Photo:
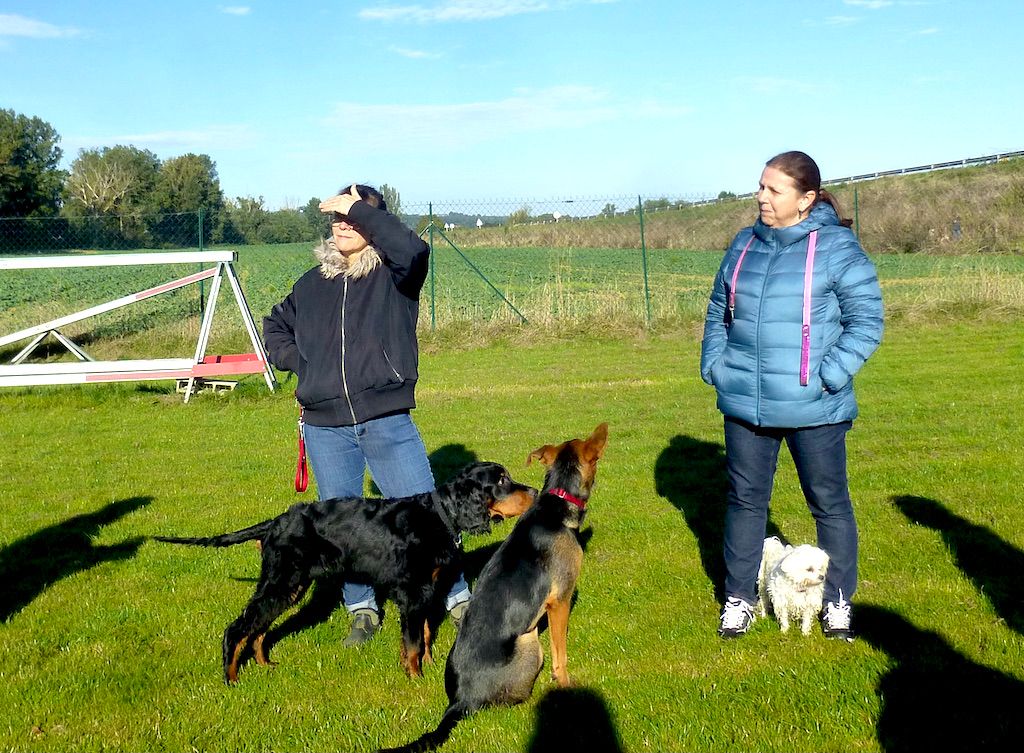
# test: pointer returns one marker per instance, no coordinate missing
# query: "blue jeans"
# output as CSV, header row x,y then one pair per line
x,y
819,453
394,452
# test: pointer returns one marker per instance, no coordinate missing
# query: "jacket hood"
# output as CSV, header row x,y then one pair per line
x,y
822,214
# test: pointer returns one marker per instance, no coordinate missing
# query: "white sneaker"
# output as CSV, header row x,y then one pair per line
x,y
737,616
836,619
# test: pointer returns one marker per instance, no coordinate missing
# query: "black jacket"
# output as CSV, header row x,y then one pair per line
x,y
352,341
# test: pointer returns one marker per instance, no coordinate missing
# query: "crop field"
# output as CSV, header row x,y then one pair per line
x,y
493,289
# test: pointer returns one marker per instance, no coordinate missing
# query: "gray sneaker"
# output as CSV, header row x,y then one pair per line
x,y
365,625
737,616
456,613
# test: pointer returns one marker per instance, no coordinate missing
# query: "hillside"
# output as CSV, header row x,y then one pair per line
x,y
955,211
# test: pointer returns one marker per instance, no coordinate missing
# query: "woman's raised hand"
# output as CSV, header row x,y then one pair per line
x,y
342,202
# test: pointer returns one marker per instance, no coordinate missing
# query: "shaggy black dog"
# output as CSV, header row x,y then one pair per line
x,y
408,548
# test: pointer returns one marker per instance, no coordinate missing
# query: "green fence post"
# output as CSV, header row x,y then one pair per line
x,y
433,300
856,213
202,304
643,254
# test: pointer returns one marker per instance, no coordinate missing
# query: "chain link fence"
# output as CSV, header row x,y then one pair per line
x,y
611,259
542,261
28,235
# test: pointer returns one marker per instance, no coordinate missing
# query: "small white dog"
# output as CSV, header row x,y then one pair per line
x,y
790,582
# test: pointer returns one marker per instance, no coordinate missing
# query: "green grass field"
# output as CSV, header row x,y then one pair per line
x,y
111,642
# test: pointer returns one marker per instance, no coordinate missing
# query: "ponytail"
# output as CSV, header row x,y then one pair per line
x,y
833,202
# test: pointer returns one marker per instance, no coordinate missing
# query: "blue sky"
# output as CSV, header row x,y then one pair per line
x,y
501,99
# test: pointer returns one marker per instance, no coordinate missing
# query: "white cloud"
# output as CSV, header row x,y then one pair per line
x,y
467,10
927,32
236,10
773,86
869,4
170,142
414,54
841,20
558,108
19,26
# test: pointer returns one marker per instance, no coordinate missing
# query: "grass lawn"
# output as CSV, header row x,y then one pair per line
x,y
109,641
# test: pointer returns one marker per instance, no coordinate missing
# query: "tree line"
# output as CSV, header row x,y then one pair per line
x,y
123,197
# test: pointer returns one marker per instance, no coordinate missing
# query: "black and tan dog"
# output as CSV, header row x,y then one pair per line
x,y
497,654
408,548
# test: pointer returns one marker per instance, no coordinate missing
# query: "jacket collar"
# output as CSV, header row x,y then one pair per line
x,y
821,215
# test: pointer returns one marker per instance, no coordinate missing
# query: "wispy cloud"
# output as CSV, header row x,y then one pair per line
x,y
927,32
414,54
177,142
869,4
841,20
20,26
236,10
772,86
467,10
557,108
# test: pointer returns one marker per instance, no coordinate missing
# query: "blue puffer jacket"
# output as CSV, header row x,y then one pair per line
x,y
752,357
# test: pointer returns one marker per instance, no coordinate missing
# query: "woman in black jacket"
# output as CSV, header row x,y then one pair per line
x,y
348,331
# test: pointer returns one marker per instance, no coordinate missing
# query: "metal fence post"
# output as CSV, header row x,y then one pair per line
x,y
433,301
201,282
856,213
643,254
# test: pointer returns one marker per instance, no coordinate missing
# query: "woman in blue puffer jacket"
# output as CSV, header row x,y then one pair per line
x,y
794,313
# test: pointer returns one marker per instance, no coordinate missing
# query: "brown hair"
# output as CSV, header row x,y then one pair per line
x,y
807,177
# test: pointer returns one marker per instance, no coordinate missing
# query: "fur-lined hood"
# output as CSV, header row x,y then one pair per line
x,y
354,266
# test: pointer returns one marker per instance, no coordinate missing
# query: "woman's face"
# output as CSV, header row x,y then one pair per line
x,y
781,203
347,239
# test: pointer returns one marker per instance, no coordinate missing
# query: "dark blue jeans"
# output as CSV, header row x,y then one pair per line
x,y
819,453
392,449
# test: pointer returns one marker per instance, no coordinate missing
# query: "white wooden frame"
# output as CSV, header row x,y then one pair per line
x,y
87,370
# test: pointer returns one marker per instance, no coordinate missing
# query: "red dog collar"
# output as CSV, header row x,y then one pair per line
x,y
563,494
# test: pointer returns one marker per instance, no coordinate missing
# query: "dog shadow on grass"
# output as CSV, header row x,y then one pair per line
x,y
326,593
573,720
32,564
690,473
933,697
994,566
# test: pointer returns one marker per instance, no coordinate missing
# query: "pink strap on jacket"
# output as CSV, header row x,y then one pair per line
x,y
735,276
805,329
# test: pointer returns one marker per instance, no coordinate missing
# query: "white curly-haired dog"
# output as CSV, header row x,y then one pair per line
x,y
791,582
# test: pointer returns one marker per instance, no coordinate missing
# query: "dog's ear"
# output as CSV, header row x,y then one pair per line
x,y
593,448
472,506
545,454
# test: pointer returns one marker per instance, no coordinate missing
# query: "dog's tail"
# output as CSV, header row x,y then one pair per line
x,y
257,532
432,740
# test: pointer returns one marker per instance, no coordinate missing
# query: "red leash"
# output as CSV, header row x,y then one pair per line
x,y
302,470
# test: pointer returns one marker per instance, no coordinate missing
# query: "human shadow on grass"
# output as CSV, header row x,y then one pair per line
x,y
326,593
993,565
32,564
935,698
691,474
573,720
